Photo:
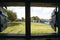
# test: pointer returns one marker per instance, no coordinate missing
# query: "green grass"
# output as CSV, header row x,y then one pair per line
x,y
15,28
19,28
39,28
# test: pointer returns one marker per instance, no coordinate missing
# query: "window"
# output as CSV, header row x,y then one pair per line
x,y
41,18
27,11
38,19
16,20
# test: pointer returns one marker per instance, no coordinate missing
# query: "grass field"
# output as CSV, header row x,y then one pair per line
x,y
19,28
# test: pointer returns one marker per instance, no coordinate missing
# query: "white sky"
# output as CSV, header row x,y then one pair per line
x,y
42,12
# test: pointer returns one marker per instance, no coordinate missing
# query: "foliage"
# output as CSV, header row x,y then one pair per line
x,y
35,18
22,18
11,15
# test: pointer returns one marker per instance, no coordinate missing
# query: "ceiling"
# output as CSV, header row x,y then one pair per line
x,y
41,3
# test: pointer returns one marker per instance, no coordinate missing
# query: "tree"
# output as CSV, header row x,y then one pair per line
x,y
35,18
22,18
11,15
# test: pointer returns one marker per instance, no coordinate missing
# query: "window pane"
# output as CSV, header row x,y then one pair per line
x,y
41,18
15,20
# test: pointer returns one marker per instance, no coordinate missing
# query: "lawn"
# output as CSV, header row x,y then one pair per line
x,y
15,28
36,28
39,28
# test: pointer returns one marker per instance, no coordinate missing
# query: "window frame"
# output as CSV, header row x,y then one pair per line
x,y
28,24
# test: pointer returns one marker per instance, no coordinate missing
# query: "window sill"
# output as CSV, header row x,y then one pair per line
x,y
32,36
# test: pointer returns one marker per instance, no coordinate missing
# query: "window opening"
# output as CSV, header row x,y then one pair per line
x,y
15,20
43,20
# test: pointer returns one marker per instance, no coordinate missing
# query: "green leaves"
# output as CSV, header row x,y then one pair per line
x,y
11,15
35,18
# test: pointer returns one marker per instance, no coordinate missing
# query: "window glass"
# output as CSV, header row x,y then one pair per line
x,y
14,21
41,18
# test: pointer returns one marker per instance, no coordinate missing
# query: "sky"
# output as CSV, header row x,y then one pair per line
x,y
41,12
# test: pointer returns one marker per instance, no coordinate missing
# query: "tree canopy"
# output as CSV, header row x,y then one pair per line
x,y
11,15
35,18
22,18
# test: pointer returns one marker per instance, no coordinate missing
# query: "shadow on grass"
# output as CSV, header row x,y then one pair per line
x,y
13,24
